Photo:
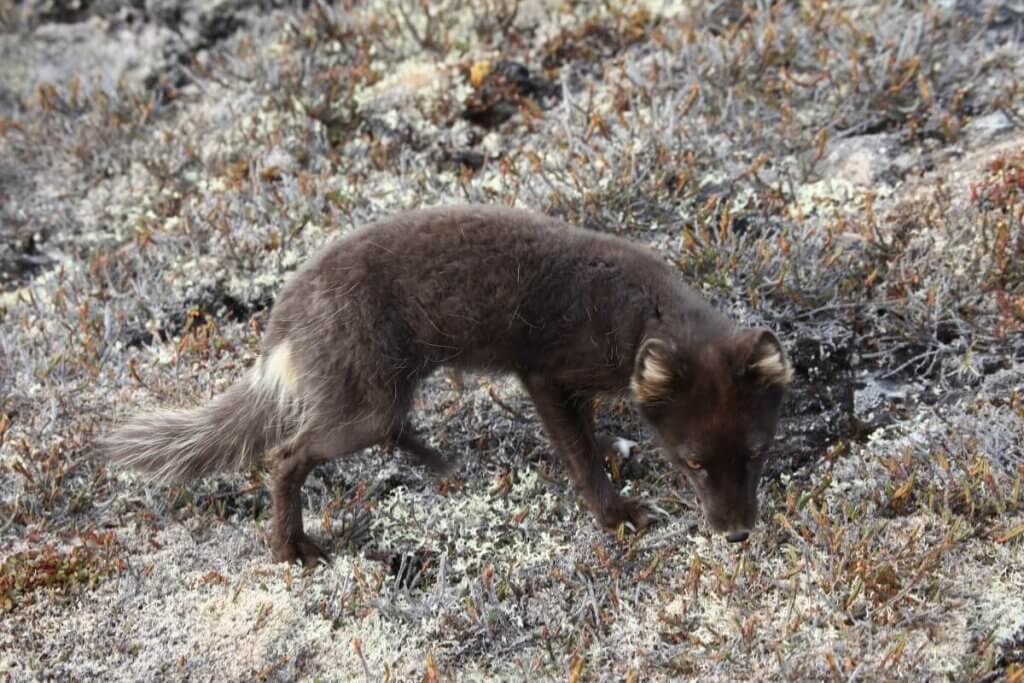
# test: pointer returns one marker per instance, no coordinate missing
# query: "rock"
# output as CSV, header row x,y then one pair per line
x,y
410,80
860,160
985,128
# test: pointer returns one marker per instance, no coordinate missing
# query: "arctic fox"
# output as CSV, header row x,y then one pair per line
x,y
571,312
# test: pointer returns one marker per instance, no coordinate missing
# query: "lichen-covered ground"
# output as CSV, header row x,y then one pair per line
x,y
850,174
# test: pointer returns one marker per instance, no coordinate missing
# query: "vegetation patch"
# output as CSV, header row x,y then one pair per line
x,y
58,573
848,174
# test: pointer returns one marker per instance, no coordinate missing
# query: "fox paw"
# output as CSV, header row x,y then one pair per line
x,y
301,549
635,513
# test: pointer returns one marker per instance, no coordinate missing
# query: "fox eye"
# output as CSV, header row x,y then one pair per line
x,y
693,464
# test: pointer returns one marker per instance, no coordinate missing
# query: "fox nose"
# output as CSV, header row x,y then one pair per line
x,y
737,536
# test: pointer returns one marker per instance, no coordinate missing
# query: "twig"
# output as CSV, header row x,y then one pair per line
x,y
506,407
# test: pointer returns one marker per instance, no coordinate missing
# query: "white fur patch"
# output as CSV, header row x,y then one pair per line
x,y
773,369
624,447
278,374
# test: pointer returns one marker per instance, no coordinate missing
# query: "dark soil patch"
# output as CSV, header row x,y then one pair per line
x,y
209,303
230,501
506,88
21,259
596,40
819,407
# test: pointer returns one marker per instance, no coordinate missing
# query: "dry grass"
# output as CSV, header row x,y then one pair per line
x,y
892,541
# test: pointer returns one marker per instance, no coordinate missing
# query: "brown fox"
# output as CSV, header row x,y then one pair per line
x,y
571,312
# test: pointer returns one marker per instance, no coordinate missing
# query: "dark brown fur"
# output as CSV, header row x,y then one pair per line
x,y
571,312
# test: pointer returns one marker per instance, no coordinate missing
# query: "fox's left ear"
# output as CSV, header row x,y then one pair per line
x,y
764,360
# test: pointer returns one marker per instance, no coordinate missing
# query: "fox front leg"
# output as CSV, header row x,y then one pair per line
x,y
569,423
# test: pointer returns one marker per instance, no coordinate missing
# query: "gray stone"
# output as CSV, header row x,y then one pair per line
x,y
987,127
860,160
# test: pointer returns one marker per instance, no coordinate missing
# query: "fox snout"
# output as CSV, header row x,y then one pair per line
x,y
727,517
728,500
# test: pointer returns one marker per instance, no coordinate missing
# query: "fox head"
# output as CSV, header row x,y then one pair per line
x,y
714,408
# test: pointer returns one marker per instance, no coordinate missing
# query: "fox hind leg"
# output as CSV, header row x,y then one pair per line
x,y
351,426
289,541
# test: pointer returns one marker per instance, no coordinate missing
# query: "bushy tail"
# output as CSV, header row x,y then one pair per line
x,y
229,433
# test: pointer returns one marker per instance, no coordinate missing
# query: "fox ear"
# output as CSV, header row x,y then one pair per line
x,y
653,371
765,359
